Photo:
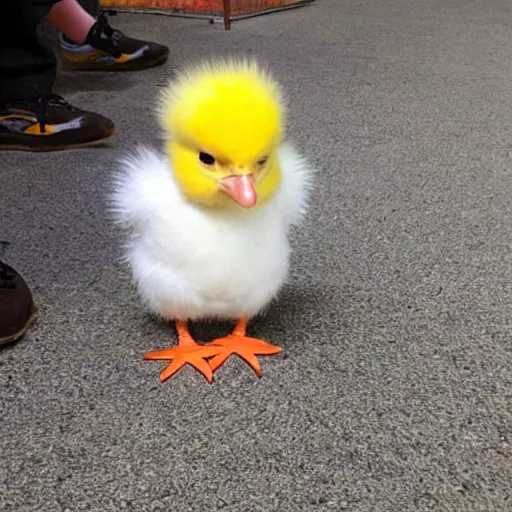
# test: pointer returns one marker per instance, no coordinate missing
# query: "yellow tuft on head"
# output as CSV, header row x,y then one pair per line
x,y
232,111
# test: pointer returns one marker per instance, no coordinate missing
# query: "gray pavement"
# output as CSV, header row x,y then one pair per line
x,y
394,389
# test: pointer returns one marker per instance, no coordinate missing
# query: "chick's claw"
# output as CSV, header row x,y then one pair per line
x,y
200,365
194,355
243,346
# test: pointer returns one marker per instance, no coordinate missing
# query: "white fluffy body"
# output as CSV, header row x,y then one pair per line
x,y
191,262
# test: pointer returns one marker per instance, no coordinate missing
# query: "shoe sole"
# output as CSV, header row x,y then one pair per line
x,y
17,336
62,147
131,65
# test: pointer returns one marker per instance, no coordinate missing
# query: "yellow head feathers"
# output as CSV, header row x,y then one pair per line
x,y
232,108
224,120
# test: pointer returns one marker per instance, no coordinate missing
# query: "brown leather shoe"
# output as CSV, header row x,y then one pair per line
x,y
108,49
50,123
17,309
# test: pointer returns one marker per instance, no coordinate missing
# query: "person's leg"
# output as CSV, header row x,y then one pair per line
x,y
104,48
72,19
80,30
27,68
22,70
91,6
31,118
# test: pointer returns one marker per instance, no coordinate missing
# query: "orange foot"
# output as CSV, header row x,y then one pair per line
x,y
243,346
186,352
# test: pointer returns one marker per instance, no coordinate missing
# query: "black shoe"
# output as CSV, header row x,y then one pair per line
x,y
17,309
50,123
108,49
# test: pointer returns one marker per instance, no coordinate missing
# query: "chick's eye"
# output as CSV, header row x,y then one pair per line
x,y
263,161
206,158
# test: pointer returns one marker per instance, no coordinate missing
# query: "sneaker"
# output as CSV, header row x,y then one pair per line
x,y
49,123
17,308
108,49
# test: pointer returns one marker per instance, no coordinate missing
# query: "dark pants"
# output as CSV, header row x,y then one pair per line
x,y
91,6
27,66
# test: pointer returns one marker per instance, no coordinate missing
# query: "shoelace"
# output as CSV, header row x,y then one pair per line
x,y
39,105
103,37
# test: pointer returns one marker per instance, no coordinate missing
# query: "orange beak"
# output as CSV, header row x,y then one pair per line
x,y
240,188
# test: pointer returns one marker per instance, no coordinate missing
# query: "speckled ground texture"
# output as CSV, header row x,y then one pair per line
x,y
393,391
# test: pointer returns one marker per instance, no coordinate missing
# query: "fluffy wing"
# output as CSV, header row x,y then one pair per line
x,y
296,184
142,189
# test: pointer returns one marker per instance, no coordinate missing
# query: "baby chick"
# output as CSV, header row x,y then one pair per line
x,y
208,221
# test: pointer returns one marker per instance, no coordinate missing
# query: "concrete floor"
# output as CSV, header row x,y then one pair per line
x,y
394,390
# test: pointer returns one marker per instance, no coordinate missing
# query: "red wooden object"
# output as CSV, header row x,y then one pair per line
x,y
227,9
